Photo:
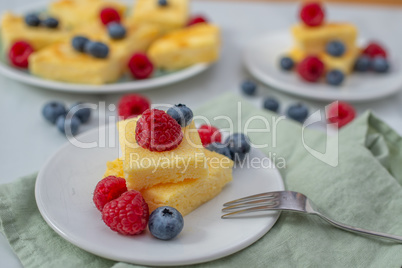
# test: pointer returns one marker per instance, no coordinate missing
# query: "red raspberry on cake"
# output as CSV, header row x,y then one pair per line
x,y
108,15
140,66
132,105
158,131
374,49
311,69
209,134
107,190
312,14
128,214
196,19
341,113
19,54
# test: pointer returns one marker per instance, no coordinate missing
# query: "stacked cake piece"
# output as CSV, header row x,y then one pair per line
x,y
183,178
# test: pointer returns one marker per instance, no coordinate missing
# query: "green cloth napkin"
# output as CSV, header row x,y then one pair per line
x,y
363,189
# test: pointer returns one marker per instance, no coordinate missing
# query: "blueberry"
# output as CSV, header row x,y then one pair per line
x,y
97,49
165,223
32,20
287,63
219,148
64,123
163,3
249,87
239,146
116,30
79,43
271,104
380,65
52,110
298,112
362,64
79,110
181,113
335,77
51,22
335,48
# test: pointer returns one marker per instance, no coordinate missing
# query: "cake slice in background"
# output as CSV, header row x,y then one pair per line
x,y
185,47
76,13
168,15
14,28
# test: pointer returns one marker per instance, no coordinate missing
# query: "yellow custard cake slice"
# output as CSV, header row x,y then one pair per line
x,y
345,63
75,13
313,40
144,169
14,28
61,62
138,37
189,194
170,17
185,47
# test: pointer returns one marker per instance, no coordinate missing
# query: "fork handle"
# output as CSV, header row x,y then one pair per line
x,y
360,230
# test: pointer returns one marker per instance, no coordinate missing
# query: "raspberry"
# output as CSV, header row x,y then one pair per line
x,y
131,105
196,19
373,49
209,134
107,190
158,131
341,113
140,66
19,54
109,14
311,69
312,14
128,214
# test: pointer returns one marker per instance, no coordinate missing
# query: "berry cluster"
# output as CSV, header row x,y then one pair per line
x,y
126,212
69,120
123,211
111,19
33,20
84,45
235,147
340,113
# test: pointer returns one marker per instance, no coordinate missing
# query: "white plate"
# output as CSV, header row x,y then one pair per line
x,y
126,84
64,189
261,57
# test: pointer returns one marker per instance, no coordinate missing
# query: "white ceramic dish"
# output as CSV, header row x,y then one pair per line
x,y
64,189
126,84
261,57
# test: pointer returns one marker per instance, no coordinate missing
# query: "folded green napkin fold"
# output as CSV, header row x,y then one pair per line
x,y
360,186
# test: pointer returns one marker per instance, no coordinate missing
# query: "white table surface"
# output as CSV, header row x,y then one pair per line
x,y
28,140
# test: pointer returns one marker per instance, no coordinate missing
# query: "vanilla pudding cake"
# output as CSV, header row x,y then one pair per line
x,y
76,13
345,63
14,28
189,194
182,48
172,16
144,168
313,40
62,62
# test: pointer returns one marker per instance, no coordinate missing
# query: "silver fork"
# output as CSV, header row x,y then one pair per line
x,y
289,201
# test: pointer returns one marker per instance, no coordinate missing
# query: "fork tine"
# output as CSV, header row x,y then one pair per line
x,y
266,202
250,198
247,210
